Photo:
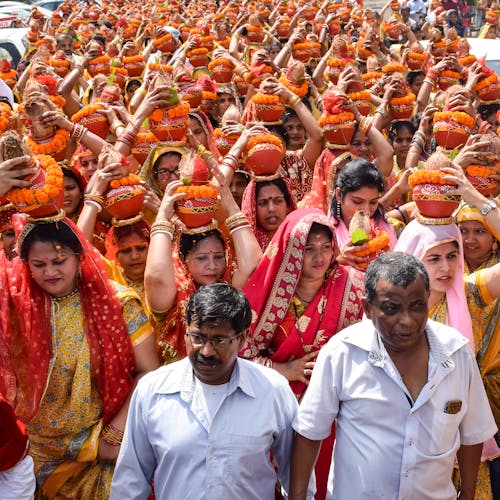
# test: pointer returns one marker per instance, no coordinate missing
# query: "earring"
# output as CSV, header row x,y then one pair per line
x,y
337,209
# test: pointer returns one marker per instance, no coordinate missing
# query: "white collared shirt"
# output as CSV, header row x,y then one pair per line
x,y
388,446
168,437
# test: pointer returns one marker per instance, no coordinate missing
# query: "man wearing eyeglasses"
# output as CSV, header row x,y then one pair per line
x,y
205,427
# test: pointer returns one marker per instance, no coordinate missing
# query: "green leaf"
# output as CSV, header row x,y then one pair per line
x,y
186,181
359,237
453,153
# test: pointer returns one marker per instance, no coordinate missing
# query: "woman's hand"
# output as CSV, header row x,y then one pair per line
x,y
464,188
12,173
107,452
151,200
477,150
166,210
348,257
426,122
274,86
55,119
298,369
226,198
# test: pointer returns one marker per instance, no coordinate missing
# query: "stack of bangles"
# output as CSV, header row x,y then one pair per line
x,y
111,435
432,76
94,200
365,124
77,132
419,140
240,70
128,136
163,227
231,161
236,222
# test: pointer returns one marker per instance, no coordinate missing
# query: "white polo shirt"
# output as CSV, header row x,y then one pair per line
x,y
388,446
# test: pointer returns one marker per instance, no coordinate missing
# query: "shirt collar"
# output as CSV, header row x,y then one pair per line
x,y
441,346
180,379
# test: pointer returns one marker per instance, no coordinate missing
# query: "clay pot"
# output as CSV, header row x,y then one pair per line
x,y
142,146
449,137
490,17
96,123
393,33
339,134
363,106
414,63
48,209
166,46
484,185
222,73
169,129
269,113
284,31
433,200
491,92
402,112
334,27
263,159
6,213
135,69
446,81
101,68
196,212
124,202
199,60
302,55
256,36
225,143
193,95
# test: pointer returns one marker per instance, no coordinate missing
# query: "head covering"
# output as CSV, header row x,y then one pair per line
x,y
416,239
204,121
13,437
467,212
111,354
249,208
271,288
112,241
147,173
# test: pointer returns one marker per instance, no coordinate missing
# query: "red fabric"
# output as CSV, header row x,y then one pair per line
x,y
111,353
333,103
112,240
249,208
13,436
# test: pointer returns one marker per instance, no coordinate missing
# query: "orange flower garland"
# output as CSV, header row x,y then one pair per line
x,y
162,39
197,52
485,82
86,111
343,117
254,140
57,144
479,171
58,100
266,99
333,62
5,116
417,55
209,96
220,61
402,101
427,177
129,180
9,75
393,68
177,111
298,91
374,245
457,116
467,60
198,191
42,195
132,59
362,95
450,74
104,59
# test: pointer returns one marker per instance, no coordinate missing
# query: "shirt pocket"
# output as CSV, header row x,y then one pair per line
x,y
248,452
444,434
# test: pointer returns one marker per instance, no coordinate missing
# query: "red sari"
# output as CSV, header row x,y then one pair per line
x,y
276,334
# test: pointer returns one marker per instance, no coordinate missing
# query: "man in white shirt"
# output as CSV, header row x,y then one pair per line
x,y
406,395
204,427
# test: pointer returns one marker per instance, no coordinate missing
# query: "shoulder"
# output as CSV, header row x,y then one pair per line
x,y
357,336
446,339
164,379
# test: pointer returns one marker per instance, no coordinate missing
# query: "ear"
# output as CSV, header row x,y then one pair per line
x,y
367,307
243,338
337,193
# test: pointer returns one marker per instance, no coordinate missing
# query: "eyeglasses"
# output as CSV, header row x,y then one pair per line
x,y
200,340
165,172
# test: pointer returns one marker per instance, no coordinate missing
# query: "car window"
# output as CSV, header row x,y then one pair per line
x,y
12,50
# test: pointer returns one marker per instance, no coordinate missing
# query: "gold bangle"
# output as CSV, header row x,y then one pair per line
x,y
163,225
294,101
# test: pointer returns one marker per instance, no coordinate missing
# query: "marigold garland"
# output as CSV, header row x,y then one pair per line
x,y
58,100
220,61
393,68
147,137
371,75
9,75
362,95
486,82
254,140
457,116
5,116
86,111
334,62
266,99
209,96
57,144
204,191
467,60
132,59
345,116
129,180
479,171
401,101
298,91
374,245
162,39
178,111
59,63
254,29
417,55
157,67
33,198
197,52
427,177
450,74
104,59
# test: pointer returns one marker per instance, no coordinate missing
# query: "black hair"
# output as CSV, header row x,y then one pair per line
x,y
410,77
280,184
485,110
57,233
106,23
99,39
189,241
69,173
396,128
317,228
277,130
219,303
354,175
398,268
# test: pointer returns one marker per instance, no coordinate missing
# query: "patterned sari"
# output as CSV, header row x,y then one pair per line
x,y
278,331
74,365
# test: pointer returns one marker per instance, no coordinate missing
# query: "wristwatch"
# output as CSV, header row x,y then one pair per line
x,y
490,205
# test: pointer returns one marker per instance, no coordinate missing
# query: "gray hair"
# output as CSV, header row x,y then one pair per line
x,y
398,268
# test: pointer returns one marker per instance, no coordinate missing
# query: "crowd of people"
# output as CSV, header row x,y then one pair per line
x,y
250,250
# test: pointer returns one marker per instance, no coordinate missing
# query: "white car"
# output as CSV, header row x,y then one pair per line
x,y
10,12
48,4
13,44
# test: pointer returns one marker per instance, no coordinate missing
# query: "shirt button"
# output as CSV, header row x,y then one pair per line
x,y
410,442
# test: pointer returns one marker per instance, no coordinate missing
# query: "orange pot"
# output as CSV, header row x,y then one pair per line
x,y
125,201
96,123
169,129
448,136
6,213
484,185
196,212
269,113
339,134
263,159
433,200
402,112
143,145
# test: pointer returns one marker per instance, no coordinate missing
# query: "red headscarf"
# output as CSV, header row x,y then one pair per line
x,y
111,353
